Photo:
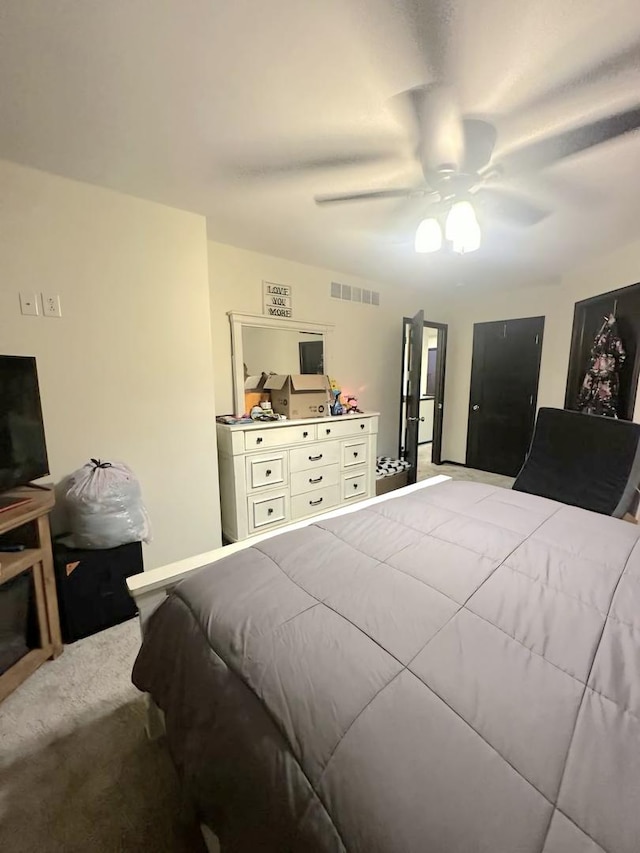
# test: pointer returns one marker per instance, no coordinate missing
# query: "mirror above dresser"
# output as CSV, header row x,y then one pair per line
x,y
276,473
261,344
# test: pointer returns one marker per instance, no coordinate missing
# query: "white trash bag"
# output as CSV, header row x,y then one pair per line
x,y
105,506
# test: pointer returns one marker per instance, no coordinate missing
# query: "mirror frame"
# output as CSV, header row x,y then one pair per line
x,y
239,321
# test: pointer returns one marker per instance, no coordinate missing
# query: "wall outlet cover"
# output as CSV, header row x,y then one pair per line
x,y
51,305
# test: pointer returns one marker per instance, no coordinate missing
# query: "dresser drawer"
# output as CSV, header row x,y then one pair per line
x,y
354,453
344,428
315,502
256,439
266,510
314,456
354,485
307,481
267,469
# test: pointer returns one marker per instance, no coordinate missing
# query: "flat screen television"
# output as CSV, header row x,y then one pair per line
x,y
23,452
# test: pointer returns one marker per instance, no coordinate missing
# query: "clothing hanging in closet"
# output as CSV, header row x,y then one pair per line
x,y
600,392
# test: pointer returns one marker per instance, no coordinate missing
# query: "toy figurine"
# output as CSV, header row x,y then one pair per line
x,y
336,407
352,406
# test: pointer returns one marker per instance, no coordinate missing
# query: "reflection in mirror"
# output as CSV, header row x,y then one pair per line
x,y
267,350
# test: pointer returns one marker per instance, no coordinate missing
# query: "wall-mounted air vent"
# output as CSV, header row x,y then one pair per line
x,y
354,294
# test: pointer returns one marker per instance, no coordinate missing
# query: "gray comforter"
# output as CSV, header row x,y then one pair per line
x,y
457,669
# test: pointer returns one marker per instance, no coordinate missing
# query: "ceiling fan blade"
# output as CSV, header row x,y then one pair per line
x,y
606,68
369,195
433,25
479,142
441,142
302,165
545,152
509,206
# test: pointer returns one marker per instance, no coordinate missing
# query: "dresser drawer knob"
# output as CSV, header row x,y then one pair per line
x,y
328,432
315,503
361,426
317,479
268,472
259,440
355,454
305,434
355,485
270,511
315,458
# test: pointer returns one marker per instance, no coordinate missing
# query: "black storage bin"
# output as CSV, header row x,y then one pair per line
x,y
92,588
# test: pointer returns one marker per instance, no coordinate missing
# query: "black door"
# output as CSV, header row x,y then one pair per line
x,y
438,381
414,330
430,386
504,390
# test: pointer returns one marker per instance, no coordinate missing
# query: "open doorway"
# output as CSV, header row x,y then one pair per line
x,y
422,400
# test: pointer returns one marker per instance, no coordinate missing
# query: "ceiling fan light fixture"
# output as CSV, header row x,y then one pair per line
x,y
469,242
428,236
462,229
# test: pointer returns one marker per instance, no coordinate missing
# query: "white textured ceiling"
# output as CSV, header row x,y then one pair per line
x,y
190,102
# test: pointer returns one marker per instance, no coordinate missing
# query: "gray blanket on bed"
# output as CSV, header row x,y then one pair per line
x,y
449,671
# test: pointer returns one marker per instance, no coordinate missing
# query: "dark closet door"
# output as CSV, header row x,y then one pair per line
x,y
504,390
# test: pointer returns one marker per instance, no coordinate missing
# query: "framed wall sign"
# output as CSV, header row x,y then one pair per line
x,y
277,300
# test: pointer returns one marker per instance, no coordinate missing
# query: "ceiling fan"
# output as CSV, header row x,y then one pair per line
x,y
456,156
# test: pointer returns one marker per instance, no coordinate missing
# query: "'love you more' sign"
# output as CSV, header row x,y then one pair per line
x,y
276,300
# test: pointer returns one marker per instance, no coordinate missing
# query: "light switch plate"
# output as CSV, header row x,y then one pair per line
x,y
51,305
29,304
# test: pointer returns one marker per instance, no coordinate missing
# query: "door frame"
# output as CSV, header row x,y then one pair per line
x,y
438,402
415,341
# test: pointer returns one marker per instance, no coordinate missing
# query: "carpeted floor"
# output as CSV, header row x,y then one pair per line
x,y
457,472
77,773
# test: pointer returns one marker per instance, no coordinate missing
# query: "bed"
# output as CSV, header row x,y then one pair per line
x,y
453,668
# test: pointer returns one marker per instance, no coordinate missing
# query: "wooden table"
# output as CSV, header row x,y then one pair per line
x,y
28,524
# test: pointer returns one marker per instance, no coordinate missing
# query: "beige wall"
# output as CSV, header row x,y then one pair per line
x,y
366,343
554,301
127,371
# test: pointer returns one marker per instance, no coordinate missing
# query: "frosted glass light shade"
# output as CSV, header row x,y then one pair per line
x,y
462,228
428,236
470,242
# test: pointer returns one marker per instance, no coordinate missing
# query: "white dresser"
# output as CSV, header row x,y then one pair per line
x,y
272,474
